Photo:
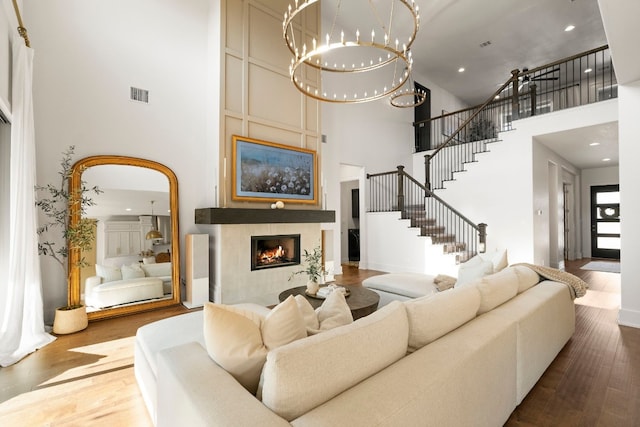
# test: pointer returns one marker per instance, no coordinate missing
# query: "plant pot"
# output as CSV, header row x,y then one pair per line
x,y
312,287
70,319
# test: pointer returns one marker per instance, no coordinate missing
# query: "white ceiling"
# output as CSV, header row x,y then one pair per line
x,y
522,34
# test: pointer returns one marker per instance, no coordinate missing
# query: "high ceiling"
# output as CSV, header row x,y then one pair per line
x,y
521,34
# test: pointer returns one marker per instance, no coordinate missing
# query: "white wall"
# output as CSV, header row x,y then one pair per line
x,y
550,172
375,136
590,177
87,55
629,129
509,187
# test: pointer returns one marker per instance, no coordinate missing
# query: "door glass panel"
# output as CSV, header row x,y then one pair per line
x,y
608,212
608,197
609,242
608,228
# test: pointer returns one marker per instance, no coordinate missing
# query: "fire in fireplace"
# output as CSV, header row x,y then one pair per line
x,y
274,251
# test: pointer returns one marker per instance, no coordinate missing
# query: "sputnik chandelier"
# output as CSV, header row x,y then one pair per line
x,y
369,61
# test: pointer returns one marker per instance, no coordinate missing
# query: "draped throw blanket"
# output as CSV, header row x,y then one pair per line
x,y
577,286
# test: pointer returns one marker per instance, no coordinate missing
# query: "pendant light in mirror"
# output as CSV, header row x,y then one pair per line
x,y
153,234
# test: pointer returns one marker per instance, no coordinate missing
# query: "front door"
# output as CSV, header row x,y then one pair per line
x,y
605,221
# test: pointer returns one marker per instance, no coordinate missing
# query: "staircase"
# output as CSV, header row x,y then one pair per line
x,y
447,237
457,139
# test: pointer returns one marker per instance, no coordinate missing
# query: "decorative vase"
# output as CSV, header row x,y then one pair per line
x,y
312,287
70,319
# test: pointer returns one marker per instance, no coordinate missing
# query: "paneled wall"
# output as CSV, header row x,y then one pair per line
x,y
257,98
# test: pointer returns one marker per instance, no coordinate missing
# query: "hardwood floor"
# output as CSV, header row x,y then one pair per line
x,y
87,378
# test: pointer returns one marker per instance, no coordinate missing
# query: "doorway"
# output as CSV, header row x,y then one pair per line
x,y
420,113
605,221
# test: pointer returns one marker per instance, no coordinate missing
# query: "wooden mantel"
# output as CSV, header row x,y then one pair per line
x,y
261,216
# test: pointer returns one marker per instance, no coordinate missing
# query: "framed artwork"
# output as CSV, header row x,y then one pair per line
x,y
267,172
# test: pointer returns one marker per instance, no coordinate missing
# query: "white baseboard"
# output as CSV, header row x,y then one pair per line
x,y
629,318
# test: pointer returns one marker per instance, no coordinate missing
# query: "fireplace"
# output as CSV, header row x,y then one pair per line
x,y
274,251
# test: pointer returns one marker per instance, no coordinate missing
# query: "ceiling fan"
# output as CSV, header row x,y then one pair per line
x,y
538,77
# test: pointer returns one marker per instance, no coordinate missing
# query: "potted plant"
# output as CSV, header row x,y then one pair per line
x,y
313,269
58,205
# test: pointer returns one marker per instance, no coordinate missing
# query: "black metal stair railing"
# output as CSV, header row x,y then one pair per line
x,y
398,191
456,137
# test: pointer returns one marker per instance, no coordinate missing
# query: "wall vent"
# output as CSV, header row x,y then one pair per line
x,y
139,95
485,44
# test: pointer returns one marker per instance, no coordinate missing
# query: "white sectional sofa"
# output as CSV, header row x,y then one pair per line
x,y
462,357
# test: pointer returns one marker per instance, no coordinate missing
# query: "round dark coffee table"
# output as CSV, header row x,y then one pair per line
x,y
361,301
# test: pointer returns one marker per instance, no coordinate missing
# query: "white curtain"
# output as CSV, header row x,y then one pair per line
x,y
21,309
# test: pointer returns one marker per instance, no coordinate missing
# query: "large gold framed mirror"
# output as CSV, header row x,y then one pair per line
x,y
134,264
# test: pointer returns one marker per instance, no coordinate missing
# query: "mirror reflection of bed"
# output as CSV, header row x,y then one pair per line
x,y
131,265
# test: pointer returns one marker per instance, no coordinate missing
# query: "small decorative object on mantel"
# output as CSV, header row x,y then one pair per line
x,y
314,271
59,207
277,205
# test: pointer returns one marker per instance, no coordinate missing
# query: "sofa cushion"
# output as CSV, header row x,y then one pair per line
x,y
132,271
497,289
527,278
238,339
108,273
434,316
305,373
472,270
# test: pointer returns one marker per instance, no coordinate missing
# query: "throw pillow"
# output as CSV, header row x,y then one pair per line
x,y
472,270
334,312
132,271
238,340
234,341
108,274
499,260
308,314
283,324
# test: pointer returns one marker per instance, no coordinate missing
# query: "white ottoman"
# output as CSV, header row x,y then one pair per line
x,y
400,286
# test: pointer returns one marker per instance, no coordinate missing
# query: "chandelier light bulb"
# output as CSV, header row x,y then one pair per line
x,y
334,56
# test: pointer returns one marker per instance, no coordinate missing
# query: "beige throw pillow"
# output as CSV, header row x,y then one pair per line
x,y
472,270
234,341
334,312
283,324
238,340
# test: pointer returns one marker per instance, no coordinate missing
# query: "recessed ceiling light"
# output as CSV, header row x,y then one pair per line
x,y
606,159
593,144
570,28
588,70
128,209
461,70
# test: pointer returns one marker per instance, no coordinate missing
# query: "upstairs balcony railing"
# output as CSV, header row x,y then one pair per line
x,y
578,80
